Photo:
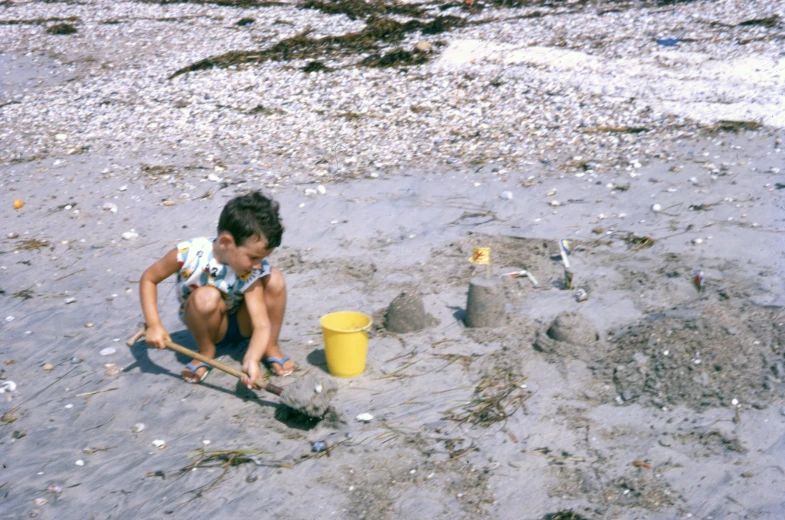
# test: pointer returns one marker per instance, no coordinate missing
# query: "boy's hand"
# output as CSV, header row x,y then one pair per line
x,y
157,336
252,371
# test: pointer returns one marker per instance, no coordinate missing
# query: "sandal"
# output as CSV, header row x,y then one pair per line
x,y
268,361
194,368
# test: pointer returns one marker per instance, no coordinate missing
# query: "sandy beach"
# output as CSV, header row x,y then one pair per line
x,y
648,134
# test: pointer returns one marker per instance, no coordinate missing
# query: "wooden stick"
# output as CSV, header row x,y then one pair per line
x,y
261,383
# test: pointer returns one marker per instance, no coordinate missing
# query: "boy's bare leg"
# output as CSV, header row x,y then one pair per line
x,y
205,316
275,301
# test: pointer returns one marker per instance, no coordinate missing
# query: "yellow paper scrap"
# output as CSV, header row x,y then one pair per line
x,y
481,255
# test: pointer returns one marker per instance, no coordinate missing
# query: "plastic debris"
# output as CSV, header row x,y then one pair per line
x,y
698,279
364,417
160,444
568,277
7,386
137,428
668,42
523,272
108,351
318,446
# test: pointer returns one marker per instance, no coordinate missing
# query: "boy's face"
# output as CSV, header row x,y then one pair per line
x,y
245,258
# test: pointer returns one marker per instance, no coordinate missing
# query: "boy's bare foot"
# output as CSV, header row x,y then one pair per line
x,y
195,372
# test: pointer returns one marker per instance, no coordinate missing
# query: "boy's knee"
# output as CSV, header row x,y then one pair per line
x,y
275,285
204,300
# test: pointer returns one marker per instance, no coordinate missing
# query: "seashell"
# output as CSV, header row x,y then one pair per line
x,y
40,501
109,207
48,366
108,351
55,488
656,208
111,370
137,428
79,462
89,324
160,444
364,417
168,202
7,386
321,189
69,300
130,235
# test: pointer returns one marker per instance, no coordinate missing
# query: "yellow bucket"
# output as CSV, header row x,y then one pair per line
x,y
346,342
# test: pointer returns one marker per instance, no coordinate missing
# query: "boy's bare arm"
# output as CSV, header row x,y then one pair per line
x,y
156,334
260,335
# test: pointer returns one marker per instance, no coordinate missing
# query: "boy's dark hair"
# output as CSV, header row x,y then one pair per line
x,y
252,215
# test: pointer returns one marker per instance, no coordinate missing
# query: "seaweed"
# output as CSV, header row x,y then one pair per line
x,y
360,9
302,46
395,58
496,397
727,125
61,29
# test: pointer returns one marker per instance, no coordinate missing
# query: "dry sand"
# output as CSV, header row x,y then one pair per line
x,y
652,400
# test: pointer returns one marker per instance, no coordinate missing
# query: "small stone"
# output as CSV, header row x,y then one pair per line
x,y
109,207
137,428
89,324
506,195
251,478
656,208
555,203
13,234
18,203
168,202
318,446
130,235
76,360
69,300
424,46
48,366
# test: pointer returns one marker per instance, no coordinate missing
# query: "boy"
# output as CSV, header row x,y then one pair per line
x,y
227,289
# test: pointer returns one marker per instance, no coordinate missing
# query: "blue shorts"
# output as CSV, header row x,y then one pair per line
x,y
233,334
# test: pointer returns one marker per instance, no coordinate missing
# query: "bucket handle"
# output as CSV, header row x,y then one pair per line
x,y
370,333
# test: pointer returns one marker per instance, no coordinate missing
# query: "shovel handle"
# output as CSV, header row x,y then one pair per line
x,y
261,383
